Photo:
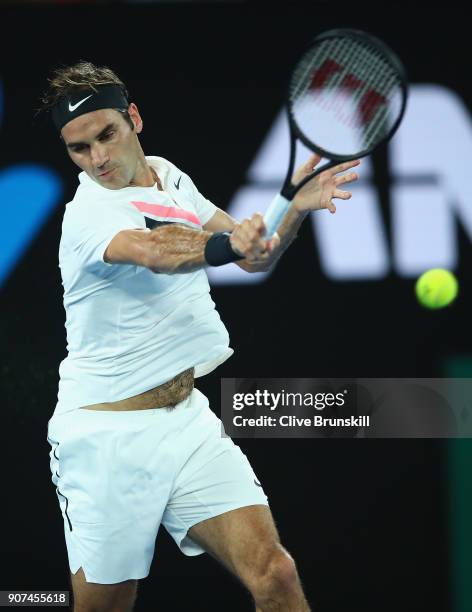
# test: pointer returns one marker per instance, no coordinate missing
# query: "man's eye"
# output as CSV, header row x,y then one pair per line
x,y
107,136
78,149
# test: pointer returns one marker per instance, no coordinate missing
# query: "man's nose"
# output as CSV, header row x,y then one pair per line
x,y
99,155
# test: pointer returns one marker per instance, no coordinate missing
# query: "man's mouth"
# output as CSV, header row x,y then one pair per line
x,y
106,173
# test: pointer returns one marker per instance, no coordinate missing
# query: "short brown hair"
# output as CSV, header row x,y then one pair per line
x,y
83,76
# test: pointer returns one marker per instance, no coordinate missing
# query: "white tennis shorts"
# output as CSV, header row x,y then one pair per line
x,y
119,475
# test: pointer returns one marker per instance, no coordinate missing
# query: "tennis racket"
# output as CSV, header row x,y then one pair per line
x,y
347,95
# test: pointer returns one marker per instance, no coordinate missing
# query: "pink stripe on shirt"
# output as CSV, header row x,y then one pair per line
x,y
167,211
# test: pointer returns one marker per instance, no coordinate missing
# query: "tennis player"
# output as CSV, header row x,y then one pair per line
x,y
133,443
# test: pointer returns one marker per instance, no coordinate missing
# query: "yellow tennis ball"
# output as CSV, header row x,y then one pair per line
x,y
436,288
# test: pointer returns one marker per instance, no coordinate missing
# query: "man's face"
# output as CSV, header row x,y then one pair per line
x,y
103,144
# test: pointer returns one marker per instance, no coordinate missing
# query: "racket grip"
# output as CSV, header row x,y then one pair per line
x,y
275,213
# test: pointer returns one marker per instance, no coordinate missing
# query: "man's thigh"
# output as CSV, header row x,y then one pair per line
x,y
90,596
241,539
215,478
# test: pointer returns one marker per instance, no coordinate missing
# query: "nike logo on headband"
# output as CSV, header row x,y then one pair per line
x,y
72,107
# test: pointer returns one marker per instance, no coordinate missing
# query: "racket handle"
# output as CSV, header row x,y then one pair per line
x,y
275,213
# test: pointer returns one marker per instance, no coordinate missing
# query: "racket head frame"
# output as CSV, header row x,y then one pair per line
x,y
288,190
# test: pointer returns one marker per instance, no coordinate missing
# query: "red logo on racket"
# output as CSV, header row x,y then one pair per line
x,y
368,104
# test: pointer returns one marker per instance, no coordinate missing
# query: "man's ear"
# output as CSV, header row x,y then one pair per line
x,y
135,117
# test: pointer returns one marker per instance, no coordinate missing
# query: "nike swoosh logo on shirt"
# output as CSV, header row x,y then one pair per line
x,y
178,182
72,107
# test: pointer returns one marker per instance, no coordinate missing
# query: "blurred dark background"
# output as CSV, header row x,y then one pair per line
x,y
373,524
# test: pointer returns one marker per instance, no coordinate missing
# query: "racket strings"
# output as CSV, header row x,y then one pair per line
x,y
351,81
366,63
385,86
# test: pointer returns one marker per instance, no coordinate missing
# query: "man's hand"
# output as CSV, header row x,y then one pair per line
x,y
320,191
247,239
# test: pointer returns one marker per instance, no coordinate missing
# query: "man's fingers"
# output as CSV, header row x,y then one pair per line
x,y
253,229
344,166
258,224
273,243
249,249
346,178
254,224
342,195
313,161
248,238
306,168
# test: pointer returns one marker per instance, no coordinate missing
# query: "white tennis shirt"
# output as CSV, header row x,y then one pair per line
x,y
129,329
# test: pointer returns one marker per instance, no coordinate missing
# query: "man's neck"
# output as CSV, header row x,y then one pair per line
x,y
146,177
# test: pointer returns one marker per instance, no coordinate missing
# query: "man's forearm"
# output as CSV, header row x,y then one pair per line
x,y
176,249
288,229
